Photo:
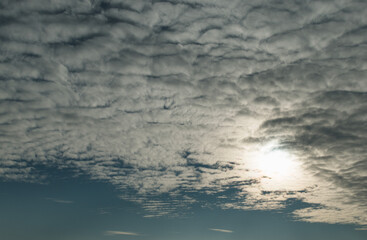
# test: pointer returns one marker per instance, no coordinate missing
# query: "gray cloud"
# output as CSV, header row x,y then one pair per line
x,y
169,97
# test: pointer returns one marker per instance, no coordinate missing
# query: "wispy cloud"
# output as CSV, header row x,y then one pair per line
x,y
121,233
221,230
103,211
60,200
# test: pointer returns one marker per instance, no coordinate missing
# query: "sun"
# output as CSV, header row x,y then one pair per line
x,y
275,162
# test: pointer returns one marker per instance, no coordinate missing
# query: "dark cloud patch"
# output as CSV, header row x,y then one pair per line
x,y
170,97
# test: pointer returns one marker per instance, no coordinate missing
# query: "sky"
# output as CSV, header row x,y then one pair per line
x,y
183,119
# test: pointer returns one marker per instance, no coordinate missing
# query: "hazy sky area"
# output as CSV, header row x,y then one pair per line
x,y
183,120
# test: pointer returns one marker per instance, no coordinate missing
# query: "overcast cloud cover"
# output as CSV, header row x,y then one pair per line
x,y
166,99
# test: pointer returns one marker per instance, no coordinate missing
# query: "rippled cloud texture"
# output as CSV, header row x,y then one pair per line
x,y
168,99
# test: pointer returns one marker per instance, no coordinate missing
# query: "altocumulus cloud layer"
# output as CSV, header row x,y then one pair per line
x,y
166,99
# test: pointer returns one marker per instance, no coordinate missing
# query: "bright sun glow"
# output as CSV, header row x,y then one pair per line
x,y
275,163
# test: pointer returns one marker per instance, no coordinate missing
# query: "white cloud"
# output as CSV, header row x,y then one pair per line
x,y
168,99
121,233
221,230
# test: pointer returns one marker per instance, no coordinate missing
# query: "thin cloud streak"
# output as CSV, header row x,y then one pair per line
x,y
121,233
60,201
221,230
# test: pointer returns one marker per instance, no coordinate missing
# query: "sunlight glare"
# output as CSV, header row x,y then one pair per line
x,y
275,163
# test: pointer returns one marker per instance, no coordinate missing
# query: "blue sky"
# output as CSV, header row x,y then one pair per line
x,y
176,119
77,208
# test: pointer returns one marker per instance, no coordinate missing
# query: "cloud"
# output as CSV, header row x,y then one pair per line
x,y
121,233
221,230
60,201
166,100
